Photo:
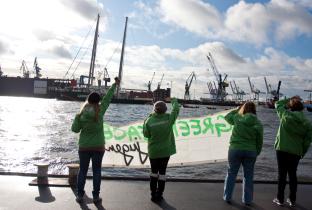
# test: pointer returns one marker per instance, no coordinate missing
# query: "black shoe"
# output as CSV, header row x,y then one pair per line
x,y
159,196
79,199
291,203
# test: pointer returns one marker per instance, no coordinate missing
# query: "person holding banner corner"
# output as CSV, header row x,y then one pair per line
x,y
157,128
245,145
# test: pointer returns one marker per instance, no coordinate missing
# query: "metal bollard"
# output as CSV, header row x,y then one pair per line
x,y
42,172
72,173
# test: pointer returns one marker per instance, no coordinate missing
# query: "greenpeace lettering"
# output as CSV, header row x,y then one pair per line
x,y
198,140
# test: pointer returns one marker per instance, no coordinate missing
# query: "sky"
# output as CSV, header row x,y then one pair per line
x,y
271,39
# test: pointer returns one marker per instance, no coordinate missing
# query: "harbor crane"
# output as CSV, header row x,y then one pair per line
x,y
149,85
106,77
240,93
222,84
37,69
212,89
256,92
188,84
24,69
275,94
1,72
159,83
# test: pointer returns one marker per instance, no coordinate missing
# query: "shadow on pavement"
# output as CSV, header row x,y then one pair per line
x,y
45,195
164,205
87,200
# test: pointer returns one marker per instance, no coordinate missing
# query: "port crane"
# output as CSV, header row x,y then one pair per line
x,y
24,69
188,84
256,92
37,69
1,72
222,84
106,77
275,94
159,83
149,85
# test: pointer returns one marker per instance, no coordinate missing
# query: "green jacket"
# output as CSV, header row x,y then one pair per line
x,y
92,132
158,129
295,131
247,132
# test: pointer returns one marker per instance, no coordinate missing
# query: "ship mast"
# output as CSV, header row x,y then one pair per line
x,y
122,55
92,63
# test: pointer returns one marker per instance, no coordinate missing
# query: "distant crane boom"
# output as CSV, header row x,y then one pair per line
x,y
149,85
188,84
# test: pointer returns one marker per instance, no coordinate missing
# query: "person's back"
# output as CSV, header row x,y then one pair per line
x,y
292,142
294,133
247,131
157,128
245,145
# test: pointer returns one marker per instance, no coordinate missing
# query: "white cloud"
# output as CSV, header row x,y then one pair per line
x,y
245,22
192,15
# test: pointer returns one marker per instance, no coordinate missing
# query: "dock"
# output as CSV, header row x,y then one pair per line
x,y
16,194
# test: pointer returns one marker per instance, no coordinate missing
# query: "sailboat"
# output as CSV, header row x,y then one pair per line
x,y
131,96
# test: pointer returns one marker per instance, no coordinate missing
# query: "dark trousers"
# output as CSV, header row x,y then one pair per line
x,y
287,164
158,175
84,160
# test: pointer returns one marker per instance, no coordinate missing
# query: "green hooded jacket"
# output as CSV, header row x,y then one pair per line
x,y
91,131
295,130
247,132
158,129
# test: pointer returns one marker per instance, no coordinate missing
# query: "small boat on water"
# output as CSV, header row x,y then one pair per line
x,y
211,107
189,106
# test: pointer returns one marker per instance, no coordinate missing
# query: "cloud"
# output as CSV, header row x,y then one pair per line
x,y
61,51
87,8
244,22
3,48
44,35
192,15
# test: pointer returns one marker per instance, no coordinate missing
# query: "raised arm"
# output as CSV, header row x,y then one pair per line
x,y
175,111
280,107
230,116
108,97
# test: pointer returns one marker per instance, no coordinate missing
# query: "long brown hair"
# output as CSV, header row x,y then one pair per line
x,y
248,107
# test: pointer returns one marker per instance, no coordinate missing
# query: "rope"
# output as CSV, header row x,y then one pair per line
x,y
79,50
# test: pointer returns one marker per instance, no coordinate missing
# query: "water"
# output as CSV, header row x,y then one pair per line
x,y
33,130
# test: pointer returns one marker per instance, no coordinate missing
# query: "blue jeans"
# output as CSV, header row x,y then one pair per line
x,y
237,158
84,160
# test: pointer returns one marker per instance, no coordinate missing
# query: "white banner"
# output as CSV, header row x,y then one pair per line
x,y
198,140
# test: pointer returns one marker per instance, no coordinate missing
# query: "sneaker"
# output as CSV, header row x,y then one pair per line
x,y
79,199
291,203
277,202
97,200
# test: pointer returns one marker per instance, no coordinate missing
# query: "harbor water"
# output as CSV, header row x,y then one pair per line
x,y
38,130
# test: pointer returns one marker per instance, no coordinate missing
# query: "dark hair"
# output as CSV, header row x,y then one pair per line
x,y
248,107
93,98
160,107
295,105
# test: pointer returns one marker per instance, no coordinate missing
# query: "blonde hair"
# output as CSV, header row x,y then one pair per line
x,y
96,108
248,107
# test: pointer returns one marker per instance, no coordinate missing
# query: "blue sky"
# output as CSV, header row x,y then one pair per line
x,y
172,37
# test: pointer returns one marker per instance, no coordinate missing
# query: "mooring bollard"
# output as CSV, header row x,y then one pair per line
x,y
72,173
42,172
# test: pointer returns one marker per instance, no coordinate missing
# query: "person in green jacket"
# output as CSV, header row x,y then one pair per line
x,y
292,142
157,128
89,123
245,145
